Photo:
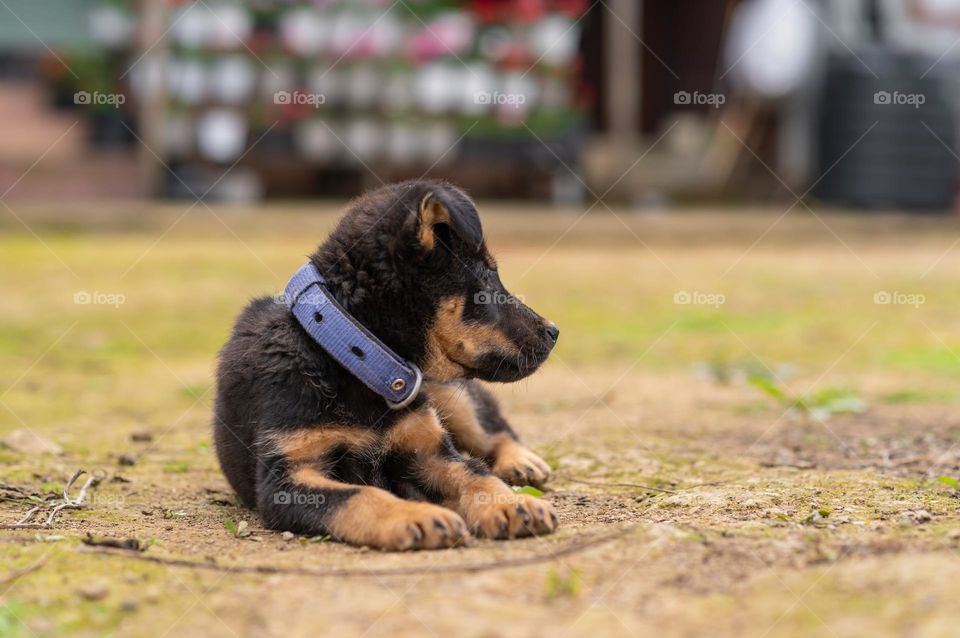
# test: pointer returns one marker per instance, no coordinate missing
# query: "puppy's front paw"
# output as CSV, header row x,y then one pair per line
x,y
517,465
413,525
495,511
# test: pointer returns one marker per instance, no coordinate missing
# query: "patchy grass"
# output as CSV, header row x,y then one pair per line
x,y
741,515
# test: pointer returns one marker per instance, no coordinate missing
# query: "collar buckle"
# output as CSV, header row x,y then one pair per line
x,y
418,381
348,341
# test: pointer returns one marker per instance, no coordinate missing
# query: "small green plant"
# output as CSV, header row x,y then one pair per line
x,y
566,585
725,372
529,490
818,517
917,396
949,480
314,539
10,624
239,530
820,405
176,468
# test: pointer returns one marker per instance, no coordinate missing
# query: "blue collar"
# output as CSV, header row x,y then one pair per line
x,y
348,342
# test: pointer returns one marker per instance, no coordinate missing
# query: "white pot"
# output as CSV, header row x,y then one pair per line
x,y
554,40
439,139
403,143
192,26
316,142
230,25
304,31
221,135
111,27
233,79
365,138
188,80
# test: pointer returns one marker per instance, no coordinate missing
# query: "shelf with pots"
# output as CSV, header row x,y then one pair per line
x,y
337,83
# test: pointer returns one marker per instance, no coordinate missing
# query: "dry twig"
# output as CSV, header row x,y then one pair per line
x,y
636,485
27,522
11,576
570,548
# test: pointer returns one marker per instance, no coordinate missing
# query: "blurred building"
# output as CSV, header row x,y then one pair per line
x,y
561,100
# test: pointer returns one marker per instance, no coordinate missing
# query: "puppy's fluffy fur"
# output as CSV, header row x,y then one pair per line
x,y
316,452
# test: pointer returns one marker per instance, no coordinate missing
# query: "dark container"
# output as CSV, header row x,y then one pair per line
x,y
908,158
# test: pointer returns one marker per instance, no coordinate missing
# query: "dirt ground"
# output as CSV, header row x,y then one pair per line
x,y
751,420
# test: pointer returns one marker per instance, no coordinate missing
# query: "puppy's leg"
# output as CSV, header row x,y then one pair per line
x,y
471,414
295,493
490,508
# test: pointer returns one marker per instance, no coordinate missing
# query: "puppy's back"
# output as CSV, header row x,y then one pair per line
x,y
241,374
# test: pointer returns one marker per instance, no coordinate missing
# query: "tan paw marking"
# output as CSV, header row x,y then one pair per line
x,y
517,465
493,510
420,526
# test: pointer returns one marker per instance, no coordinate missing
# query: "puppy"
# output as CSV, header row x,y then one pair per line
x,y
317,451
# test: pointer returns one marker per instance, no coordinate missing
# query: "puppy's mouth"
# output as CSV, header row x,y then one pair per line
x,y
504,367
469,371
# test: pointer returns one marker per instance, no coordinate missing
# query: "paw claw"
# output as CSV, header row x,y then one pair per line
x,y
517,465
415,525
504,514
524,515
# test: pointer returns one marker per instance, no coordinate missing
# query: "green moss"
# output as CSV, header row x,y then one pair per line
x,y
176,468
918,396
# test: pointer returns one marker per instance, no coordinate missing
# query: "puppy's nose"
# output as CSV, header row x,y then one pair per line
x,y
553,332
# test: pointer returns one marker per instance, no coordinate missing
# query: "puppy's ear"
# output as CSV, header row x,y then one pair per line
x,y
435,210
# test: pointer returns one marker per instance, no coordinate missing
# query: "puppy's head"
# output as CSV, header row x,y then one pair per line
x,y
477,328
409,260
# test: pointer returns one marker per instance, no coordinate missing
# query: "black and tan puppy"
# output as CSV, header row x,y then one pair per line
x,y
317,452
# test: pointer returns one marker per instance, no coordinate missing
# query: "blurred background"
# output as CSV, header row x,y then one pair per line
x,y
739,212
551,100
